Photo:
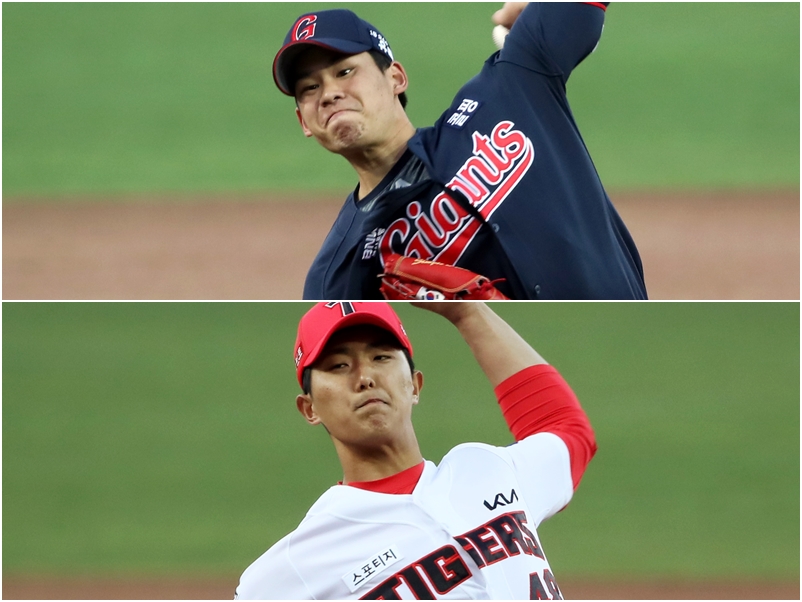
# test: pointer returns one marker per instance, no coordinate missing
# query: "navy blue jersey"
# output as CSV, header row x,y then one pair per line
x,y
502,184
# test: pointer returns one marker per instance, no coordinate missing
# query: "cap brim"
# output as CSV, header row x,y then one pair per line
x,y
288,53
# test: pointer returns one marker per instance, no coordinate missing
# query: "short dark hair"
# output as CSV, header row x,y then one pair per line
x,y
383,62
306,375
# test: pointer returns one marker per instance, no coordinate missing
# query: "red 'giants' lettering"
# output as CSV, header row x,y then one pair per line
x,y
441,229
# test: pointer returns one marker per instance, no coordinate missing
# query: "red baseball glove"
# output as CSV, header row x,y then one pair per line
x,y
412,279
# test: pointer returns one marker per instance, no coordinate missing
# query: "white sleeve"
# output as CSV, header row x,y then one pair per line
x,y
272,577
543,466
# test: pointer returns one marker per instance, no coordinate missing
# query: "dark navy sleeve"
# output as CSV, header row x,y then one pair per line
x,y
552,38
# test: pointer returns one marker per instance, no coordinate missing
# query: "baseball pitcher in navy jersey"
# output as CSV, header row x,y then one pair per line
x,y
501,185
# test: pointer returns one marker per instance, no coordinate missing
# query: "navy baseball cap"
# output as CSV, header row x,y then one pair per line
x,y
338,29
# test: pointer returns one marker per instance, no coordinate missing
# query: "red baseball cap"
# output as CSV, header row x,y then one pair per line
x,y
324,319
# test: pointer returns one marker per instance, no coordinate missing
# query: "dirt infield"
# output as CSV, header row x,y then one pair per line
x,y
693,246
206,589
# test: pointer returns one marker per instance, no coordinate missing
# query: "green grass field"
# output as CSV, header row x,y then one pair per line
x,y
163,438
178,97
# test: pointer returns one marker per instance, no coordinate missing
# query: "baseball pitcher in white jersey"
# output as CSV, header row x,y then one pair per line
x,y
399,527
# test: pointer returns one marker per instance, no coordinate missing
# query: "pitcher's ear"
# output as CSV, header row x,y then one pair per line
x,y
399,77
307,131
306,408
417,384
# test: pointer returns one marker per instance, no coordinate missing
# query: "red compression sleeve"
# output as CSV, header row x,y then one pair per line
x,y
538,400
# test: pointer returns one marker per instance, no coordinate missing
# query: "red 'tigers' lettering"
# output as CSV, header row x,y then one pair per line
x,y
504,536
441,571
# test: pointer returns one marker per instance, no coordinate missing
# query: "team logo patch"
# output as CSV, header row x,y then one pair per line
x,y
501,500
304,28
371,567
383,45
298,356
372,241
467,108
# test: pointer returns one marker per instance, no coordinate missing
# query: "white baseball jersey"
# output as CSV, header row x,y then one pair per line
x,y
468,531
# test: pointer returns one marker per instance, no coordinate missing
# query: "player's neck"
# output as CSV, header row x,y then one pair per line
x,y
373,163
369,464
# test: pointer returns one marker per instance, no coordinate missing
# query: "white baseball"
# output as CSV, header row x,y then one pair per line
x,y
499,33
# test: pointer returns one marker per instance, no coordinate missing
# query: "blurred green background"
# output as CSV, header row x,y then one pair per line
x,y
123,98
162,438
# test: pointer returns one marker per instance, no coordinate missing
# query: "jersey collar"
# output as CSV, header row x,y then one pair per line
x,y
402,483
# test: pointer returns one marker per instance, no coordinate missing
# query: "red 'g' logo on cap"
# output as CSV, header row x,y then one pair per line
x,y
304,28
